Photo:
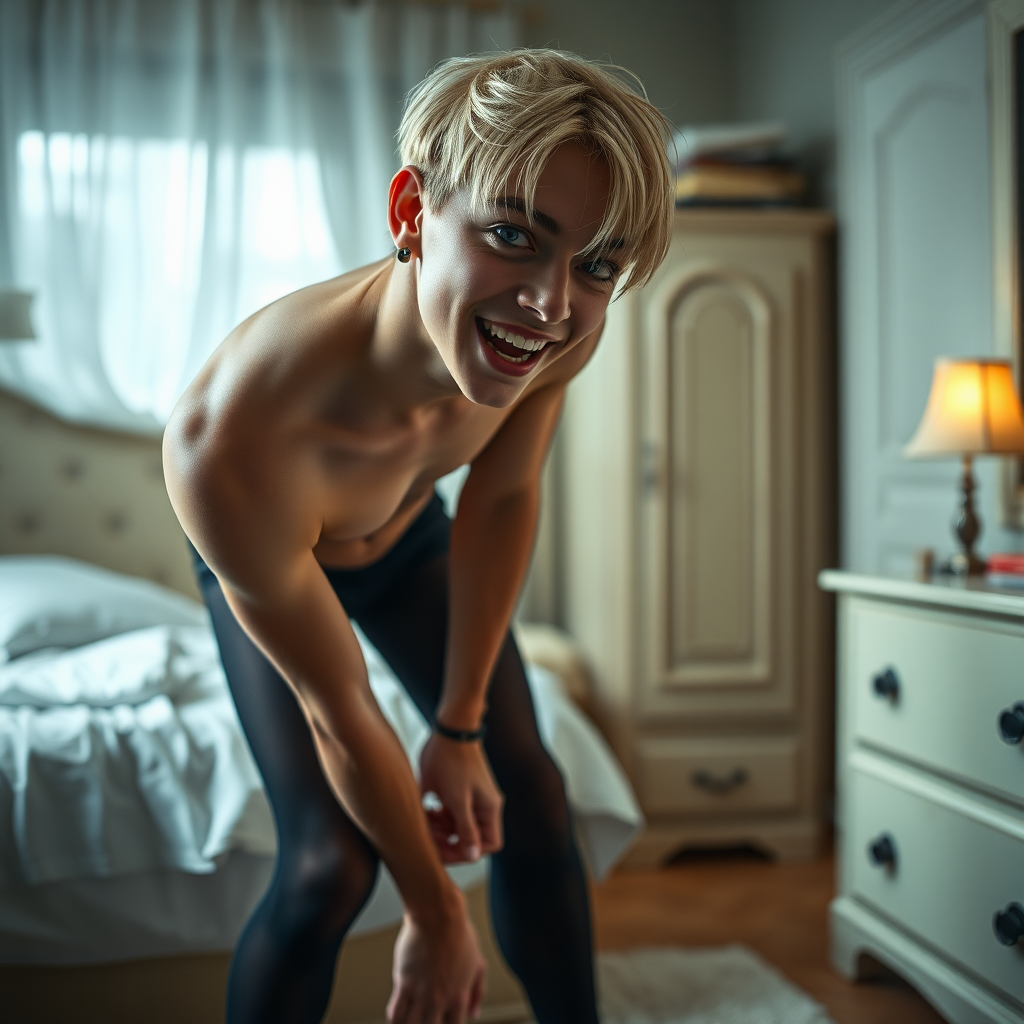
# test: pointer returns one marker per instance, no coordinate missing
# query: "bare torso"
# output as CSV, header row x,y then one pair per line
x,y
297,392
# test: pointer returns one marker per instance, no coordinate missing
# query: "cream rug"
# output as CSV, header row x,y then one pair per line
x,y
726,985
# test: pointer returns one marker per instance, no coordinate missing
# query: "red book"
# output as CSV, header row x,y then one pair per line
x,y
1010,563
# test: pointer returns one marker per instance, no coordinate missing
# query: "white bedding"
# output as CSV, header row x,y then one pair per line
x,y
125,777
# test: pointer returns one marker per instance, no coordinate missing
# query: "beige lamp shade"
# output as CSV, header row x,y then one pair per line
x,y
973,408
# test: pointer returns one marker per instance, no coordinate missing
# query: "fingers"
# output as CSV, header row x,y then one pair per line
x,y
488,819
476,993
465,827
443,832
399,1006
456,1015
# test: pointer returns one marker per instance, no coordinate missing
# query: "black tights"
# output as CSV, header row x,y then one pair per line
x,y
283,965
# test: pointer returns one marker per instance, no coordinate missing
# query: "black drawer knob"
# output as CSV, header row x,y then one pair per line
x,y
1008,924
882,851
719,783
887,684
1011,724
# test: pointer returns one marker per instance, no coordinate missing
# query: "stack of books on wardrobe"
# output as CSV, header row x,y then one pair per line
x,y
1005,570
735,165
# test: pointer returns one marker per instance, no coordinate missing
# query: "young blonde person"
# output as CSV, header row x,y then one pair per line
x,y
301,463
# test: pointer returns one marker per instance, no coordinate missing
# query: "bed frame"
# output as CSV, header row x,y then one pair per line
x,y
99,496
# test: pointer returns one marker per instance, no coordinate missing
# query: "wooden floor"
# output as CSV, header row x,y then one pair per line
x,y
780,910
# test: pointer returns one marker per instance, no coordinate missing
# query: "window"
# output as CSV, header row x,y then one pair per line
x,y
176,244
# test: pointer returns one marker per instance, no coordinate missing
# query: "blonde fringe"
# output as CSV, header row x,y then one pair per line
x,y
491,123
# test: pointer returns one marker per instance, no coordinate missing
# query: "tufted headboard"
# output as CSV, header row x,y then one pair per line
x,y
88,493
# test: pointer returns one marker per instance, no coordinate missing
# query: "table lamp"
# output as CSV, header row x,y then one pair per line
x,y
973,409
16,315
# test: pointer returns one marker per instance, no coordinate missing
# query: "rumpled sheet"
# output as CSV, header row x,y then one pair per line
x,y
126,755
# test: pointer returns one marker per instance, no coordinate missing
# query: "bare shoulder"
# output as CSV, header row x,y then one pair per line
x,y
233,449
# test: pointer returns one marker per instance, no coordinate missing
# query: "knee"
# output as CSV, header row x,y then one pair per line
x,y
321,884
535,800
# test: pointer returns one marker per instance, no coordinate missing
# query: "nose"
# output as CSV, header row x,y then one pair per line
x,y
546,295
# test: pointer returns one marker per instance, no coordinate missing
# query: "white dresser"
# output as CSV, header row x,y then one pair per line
x,y
930,779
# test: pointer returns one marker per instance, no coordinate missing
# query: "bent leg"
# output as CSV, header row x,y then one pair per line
x,y
539,900
539,897
283,965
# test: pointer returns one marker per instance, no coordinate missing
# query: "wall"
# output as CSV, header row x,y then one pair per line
x,y
681,49
783,53
725,60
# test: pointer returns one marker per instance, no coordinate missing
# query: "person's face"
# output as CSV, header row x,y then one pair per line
x,y
501,299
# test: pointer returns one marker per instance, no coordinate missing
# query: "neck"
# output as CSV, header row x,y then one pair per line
x,y
401,351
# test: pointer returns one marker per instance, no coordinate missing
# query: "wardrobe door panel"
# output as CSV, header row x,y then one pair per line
x,y
708,507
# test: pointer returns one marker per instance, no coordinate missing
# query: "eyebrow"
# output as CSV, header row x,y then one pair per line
x,y
515,203
549,223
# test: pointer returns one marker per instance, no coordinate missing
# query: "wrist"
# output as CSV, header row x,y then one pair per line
x,y
440,910
463,716
459,735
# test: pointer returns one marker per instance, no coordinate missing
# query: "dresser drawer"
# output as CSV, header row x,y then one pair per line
x,y
957,862
716,776
954,676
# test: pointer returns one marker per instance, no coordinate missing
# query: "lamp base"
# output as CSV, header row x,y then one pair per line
x,y
967,527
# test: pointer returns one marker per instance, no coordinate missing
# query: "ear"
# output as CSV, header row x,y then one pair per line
x,y
406,202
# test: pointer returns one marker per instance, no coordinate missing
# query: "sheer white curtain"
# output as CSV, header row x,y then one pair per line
x,y
168,168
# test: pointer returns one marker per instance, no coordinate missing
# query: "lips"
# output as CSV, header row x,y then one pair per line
x,y
514,354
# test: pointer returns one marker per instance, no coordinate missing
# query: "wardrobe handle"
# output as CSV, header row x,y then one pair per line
x,y
1008,924
1011,724
882,851
887,684
717,783
650,466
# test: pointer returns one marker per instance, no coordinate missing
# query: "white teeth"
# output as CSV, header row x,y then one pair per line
x,y
510,359
528,345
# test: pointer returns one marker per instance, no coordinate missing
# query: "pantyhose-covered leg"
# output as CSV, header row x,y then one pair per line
x,y
283,965
539,901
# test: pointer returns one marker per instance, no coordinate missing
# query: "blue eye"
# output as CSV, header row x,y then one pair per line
x,y
600,270
512,236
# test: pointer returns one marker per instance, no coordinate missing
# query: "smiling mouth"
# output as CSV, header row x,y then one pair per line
x,y
510,346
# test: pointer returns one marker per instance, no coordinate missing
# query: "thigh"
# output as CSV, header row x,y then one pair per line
x,y
409,626
276,729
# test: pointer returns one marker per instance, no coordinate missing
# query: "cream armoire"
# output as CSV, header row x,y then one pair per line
x,y
698,473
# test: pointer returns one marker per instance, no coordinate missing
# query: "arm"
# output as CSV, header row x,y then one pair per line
x,y
491,543
254,518
492,539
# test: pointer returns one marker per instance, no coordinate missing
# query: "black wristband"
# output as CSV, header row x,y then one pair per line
x,y
460,735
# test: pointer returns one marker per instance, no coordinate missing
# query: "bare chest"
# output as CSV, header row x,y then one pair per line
x,y
375,482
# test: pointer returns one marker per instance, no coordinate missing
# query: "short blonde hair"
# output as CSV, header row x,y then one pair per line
x,y
490,121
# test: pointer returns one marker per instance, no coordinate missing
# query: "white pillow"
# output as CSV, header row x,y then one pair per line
x,y
50,601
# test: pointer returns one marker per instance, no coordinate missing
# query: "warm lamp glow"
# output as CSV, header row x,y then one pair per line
x,y
973,408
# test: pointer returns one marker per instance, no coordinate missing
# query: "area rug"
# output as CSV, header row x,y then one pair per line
x,y
724,985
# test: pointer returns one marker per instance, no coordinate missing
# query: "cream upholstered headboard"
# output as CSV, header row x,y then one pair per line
x,y
87,493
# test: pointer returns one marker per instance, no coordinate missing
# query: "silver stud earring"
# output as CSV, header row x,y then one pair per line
x,y
404,255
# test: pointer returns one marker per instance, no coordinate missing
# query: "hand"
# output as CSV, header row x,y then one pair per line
x,y
439,973
471,801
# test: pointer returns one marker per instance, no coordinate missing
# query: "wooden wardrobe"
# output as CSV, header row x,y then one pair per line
x,y
698,467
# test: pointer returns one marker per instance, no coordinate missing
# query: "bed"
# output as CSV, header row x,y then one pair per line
x,y
134,833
